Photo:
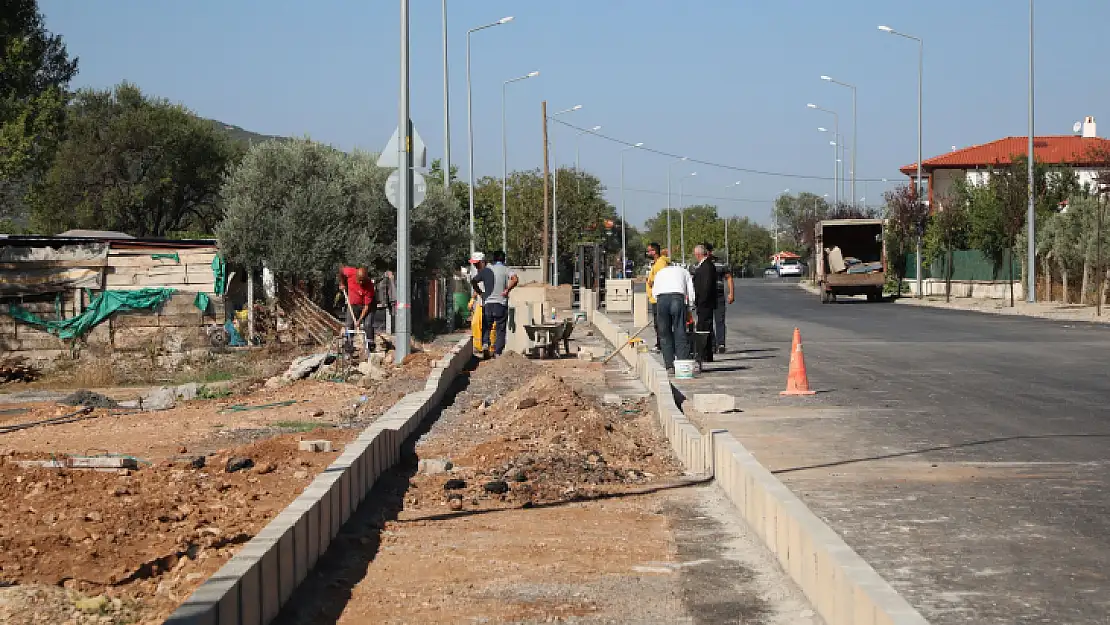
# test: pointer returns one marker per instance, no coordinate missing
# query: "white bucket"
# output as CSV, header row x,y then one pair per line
x,y
684,369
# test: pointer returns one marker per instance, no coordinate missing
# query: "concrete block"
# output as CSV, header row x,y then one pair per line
x,y
301,563
270,568
250,596
287,566
714,403
314,446
312,536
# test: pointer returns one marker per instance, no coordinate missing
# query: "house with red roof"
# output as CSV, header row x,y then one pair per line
x,y
1085,153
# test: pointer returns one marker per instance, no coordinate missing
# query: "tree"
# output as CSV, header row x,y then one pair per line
x,y
135,164
947,232
35,71
903,213
796,217
304,209
750,245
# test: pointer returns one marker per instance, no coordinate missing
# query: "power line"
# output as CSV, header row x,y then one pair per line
x,y
745,170
703,197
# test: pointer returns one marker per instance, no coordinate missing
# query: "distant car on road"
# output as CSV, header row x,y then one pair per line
x,y
790,268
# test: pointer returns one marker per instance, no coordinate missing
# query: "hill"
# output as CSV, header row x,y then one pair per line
x,y
243,135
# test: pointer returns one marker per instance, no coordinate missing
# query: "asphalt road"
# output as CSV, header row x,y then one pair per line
x,y
964,455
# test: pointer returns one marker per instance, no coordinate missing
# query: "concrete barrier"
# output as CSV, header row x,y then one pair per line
x,y
842,586
253,586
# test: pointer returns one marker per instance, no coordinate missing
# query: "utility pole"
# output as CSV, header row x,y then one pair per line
x,y
546,199
446,116
1031,212
404,149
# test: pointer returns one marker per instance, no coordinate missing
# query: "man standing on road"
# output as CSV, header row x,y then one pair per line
x,y
494,283
726,295
705,286
384,300
673,291
359,290
659,260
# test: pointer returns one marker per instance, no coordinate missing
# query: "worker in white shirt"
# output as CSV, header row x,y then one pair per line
x,y
673,290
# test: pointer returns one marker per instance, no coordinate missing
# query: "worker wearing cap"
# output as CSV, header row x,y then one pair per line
x,y
477,264
659,260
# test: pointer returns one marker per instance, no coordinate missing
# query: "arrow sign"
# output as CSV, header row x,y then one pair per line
x,y
388,157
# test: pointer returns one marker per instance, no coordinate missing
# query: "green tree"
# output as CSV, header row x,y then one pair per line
x,y
750,245
135,164
795,218
947,232
35,71
304,209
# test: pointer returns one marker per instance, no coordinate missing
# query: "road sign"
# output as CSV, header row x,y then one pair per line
x,y
393,188
388,157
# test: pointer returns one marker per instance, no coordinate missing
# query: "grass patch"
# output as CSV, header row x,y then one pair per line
x,y
300,426
213,393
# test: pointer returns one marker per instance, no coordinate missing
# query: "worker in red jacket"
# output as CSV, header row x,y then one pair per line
x,y
359,289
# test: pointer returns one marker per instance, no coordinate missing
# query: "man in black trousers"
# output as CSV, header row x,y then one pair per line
x,y
705,292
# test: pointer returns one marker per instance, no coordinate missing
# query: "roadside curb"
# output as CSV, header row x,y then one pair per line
x,y
842,586
251,588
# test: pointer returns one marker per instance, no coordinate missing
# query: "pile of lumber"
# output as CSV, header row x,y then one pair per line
x,y
17,371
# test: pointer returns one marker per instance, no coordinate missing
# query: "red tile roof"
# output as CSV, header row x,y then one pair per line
x,y
1053,150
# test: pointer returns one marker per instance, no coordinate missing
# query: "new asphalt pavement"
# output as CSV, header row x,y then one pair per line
x,y
963,455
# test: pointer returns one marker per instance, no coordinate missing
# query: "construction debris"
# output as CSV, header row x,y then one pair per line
x,y
88,399
320,446
17,371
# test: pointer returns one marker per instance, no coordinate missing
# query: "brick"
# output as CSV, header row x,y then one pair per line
x,y
315,446
287,577
714,403
271,588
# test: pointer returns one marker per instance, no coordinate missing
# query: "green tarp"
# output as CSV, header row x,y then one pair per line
x,y
219,270
102,306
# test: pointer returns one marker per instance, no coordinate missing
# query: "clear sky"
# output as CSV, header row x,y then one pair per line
x,y
725,81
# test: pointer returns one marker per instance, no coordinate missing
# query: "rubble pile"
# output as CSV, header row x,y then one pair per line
x,y
540,443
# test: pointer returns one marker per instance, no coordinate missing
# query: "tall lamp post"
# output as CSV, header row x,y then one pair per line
x,y
1031,212
446,115
555,203
836,165
917,180
624,242
505,161
669,209
470,119
855,132
836,133
682,214
731,186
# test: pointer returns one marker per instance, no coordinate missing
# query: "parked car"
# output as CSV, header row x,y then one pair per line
x,y
790,268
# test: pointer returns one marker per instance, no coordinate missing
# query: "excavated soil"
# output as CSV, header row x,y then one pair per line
x,y
127,546
551,510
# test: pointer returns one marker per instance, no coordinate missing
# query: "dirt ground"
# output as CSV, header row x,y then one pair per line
x,y
127,546
551,510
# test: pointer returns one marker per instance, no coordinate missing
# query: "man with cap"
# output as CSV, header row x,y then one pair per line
x,y
493,283
477,263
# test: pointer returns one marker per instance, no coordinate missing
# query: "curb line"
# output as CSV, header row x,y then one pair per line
x,y
842,586
251,588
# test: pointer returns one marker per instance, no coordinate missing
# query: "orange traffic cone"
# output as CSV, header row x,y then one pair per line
x,y
797,382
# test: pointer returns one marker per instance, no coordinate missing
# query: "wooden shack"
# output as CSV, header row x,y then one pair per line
x,y
56,278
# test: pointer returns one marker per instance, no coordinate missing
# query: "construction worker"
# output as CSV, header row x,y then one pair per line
x,y
659,260
494,283
477,264
359,292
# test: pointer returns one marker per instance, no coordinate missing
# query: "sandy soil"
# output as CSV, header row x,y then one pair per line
x,y
554,509
83,546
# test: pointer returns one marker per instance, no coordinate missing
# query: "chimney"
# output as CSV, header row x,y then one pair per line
x,y
1089,131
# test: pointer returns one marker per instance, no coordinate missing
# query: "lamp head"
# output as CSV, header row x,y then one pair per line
x,y
886,29
638,144
576,107
595,129
505,20
811,105
826,78
533,74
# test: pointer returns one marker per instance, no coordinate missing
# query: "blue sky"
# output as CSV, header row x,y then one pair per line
x,y
720,81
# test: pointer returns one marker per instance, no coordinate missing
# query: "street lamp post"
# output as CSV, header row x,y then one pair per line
x,y
855,132
682,215
578,153
917,180
836,133
555,203
505,161
1031,213
446,115
624,242
470,120
669,209
735,184
836,165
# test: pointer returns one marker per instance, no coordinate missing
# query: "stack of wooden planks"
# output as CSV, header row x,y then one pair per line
x,y
183,269
17,370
